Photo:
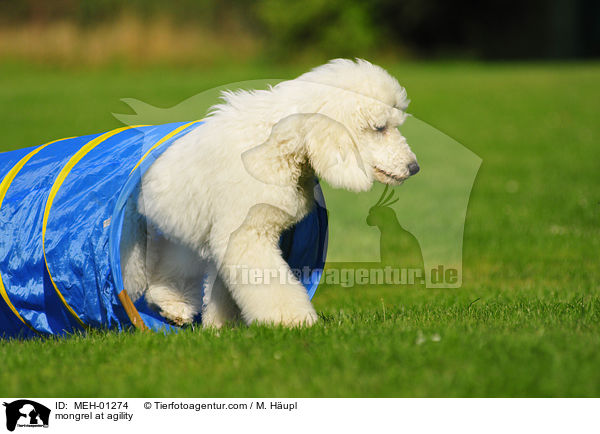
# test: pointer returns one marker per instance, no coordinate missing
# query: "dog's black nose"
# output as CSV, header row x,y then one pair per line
x,y
413,168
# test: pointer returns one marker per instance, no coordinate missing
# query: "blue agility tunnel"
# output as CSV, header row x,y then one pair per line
x,y
62,206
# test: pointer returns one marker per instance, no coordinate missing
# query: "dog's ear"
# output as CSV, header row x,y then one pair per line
x,y
279,159
325,143
333,154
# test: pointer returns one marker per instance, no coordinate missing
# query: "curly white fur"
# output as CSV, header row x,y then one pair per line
x,y
220,196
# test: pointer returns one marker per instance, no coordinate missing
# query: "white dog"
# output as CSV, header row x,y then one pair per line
x,y
219,197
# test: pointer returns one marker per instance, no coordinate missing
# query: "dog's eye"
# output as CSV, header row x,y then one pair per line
x,y
381,129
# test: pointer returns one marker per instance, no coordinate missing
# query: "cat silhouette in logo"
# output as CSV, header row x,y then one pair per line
x,y
31,410
397,247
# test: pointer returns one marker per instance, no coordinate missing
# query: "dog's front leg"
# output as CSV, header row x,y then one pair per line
x,y
266,291
175,276
261,282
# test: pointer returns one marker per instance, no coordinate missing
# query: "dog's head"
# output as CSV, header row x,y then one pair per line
x,y
345,119
357,139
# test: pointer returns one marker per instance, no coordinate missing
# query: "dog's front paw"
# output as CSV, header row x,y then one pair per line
x,y
178,313
308,319
171,305
290,318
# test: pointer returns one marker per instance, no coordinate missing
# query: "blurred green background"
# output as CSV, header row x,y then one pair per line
x,y
209,31
515,82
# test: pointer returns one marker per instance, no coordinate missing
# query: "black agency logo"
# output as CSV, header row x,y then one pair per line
x,y
26,413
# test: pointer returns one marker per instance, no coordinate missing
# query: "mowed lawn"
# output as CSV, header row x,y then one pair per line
x,y
526,321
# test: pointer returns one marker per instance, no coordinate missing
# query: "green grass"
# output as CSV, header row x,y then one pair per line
x,y
526,321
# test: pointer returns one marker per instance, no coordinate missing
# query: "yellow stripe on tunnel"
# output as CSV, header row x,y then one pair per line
x,y
161,141
54,190
4,186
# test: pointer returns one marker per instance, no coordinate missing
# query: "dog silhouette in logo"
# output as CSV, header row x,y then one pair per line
x,y
397,247
25,408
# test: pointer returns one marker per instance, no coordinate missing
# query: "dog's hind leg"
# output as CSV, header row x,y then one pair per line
x,y
219,308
